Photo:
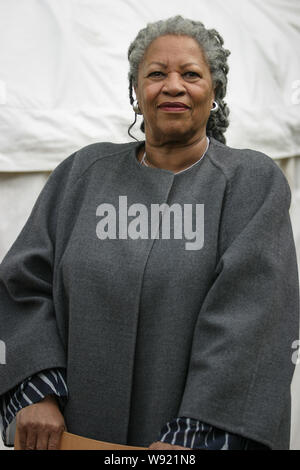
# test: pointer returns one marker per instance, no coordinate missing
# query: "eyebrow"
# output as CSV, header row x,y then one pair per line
x,y
181,66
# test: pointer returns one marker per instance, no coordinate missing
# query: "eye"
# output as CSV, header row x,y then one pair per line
x,y
191,75
156,74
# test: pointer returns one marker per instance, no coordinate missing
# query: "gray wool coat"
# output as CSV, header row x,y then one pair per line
x,y
149,326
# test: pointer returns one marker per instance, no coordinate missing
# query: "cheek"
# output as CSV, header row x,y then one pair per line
x,y
149,95
204,104
201,94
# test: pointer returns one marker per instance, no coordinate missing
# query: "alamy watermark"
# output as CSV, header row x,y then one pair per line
x,y
296,354
2,353
138,227
296,93
2,92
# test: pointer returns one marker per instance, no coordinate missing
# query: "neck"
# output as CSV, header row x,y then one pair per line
x,y
174,156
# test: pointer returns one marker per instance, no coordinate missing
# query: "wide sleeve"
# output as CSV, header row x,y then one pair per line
x,y
29,328
241,363
32,390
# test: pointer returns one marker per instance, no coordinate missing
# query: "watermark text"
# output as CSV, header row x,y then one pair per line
x,y
2,353
188,222
296,93
296,354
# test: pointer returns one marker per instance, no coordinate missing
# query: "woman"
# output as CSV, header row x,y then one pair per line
x,y
141,331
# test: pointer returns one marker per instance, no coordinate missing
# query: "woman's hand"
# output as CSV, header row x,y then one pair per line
x,y
40,425
165,446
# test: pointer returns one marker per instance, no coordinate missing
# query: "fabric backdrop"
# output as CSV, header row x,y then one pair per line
x,y
63,85
63,72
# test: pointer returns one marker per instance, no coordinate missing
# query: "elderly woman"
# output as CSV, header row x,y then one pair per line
x,y
151,299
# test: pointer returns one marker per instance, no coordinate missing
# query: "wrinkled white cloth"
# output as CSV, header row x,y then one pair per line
x,y
63,73
63,84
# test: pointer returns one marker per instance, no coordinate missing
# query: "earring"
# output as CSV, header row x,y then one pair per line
x,y
135,106
215,107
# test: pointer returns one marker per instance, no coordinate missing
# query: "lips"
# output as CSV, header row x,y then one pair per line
x,y
173,106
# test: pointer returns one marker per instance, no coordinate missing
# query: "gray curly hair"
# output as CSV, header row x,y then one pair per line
x,y
211,44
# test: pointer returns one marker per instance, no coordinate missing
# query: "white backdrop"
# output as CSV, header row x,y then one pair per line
x,y
63,85
63,67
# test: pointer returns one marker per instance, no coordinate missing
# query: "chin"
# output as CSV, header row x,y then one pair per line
x,y
175,133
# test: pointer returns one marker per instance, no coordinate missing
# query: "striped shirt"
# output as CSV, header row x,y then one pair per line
x,y
194,434
32,390
183,431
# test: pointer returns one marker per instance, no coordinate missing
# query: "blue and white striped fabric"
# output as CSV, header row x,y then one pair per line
x,y
32,390
188,432
182,431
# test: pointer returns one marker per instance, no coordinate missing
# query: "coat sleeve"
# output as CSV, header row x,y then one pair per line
x,y
241,363
27,316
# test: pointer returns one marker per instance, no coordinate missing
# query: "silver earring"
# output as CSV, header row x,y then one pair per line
x,y
215,107
135,106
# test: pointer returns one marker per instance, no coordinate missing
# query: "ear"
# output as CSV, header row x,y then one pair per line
x,y
213,96
216,90
136,92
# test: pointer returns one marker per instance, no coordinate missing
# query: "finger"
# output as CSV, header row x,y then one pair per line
x,y
157,445
42,440
54,440
22,438
31,439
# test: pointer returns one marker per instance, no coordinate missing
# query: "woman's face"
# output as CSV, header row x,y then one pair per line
x,y
174,71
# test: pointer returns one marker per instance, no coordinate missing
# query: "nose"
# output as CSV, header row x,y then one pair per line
x,y
173,84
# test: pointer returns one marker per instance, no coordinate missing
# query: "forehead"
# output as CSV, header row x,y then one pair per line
x,y
170,48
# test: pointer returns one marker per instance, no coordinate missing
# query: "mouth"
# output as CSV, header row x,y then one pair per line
x,y
173,107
